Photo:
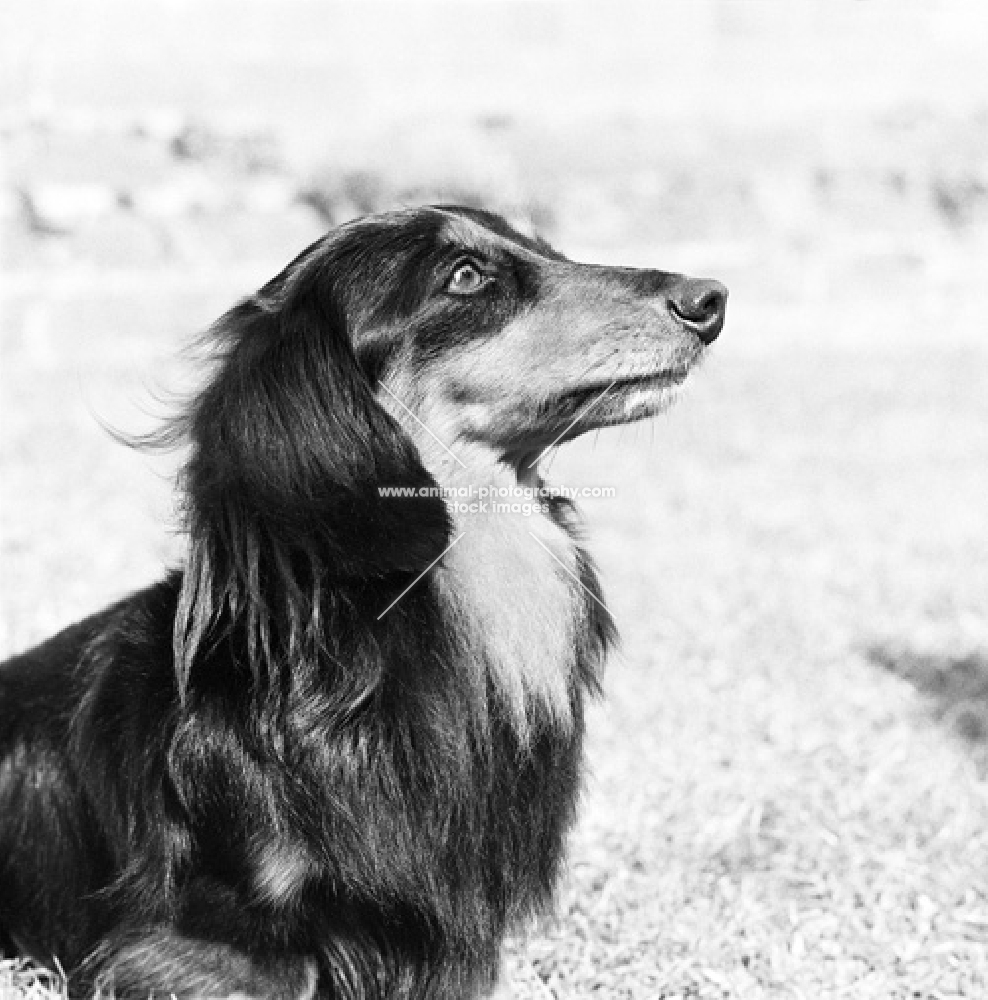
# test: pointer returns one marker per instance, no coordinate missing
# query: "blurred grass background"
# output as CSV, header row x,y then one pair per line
x,y
787,794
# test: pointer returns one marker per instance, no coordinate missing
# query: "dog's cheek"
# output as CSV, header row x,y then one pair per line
x,y
495,389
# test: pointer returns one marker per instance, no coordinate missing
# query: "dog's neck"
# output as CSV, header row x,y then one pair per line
x,y
486,494
511,575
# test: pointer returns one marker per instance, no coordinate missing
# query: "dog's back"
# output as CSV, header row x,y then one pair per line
x,y
55,854
48,840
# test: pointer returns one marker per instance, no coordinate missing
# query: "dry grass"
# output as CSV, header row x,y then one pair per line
x,y
23,980
787,795
769,812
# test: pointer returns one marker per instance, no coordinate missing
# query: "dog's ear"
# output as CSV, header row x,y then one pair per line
x,y
289,451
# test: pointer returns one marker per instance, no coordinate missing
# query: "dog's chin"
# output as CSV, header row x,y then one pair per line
x,y
623,401
591,407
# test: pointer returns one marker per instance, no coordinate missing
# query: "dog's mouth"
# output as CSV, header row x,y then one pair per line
x,y
622,400
591,395
595,405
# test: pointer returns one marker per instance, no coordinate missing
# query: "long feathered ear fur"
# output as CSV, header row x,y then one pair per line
x,y
288,450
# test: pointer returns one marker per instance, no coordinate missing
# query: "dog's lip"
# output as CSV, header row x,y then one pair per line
x,y
671,376
595,404
652,380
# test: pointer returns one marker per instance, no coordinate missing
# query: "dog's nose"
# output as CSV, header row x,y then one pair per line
x,y
700,305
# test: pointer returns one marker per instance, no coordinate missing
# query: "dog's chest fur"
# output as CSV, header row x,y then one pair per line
x,y
511,582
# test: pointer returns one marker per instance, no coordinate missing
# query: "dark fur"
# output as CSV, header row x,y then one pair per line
x,y
241,778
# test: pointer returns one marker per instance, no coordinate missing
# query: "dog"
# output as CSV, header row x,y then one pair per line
x,y
336,754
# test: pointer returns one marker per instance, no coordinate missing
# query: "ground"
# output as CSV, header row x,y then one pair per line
x,y
787,775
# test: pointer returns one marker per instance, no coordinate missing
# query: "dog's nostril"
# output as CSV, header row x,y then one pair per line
x,y
700,305
709,304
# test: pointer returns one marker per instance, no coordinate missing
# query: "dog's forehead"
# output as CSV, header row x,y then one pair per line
x,y
472,234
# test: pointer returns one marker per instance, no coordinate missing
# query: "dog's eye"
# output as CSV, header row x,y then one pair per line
x,y
466,279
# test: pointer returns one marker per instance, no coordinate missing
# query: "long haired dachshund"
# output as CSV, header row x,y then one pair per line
x,y
337,754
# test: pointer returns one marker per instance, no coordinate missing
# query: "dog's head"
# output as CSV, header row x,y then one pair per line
x,y
429,325
494,337
498,338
